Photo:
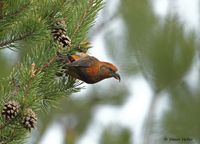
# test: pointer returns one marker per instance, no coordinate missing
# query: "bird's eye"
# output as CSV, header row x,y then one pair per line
x,y
110,70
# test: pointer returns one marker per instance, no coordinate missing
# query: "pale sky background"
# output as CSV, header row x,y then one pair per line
x,y
132,113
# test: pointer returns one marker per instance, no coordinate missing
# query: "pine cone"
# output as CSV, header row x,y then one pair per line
x,y
29,120
10,110
59,34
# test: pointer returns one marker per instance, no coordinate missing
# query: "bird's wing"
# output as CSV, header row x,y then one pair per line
x,y
83,62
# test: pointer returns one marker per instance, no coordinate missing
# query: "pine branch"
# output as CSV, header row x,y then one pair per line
x,y
6,44
52,60
85,20
24,32
17,12
1,8
2,126
38,87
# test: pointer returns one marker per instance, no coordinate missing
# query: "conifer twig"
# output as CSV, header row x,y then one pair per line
x,y
21,9
32,75
46,65
83,17
34,80
8,42
2,126
1,8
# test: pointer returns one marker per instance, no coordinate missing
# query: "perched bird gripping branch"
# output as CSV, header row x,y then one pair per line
x,y
89,69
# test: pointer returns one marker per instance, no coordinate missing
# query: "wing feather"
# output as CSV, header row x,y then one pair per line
x,y
83,62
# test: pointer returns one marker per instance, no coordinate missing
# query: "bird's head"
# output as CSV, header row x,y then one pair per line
x,y
108,70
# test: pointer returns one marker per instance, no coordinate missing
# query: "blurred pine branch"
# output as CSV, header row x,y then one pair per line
x,y
165,53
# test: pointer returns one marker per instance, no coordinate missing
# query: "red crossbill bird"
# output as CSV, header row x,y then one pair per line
x,y
89,69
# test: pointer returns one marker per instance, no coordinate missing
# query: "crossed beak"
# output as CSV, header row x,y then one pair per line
x,y
116,76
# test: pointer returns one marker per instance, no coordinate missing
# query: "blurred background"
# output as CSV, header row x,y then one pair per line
x,y
155,44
